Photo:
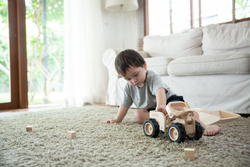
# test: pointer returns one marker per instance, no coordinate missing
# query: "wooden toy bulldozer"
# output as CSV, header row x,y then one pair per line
x,y
179,124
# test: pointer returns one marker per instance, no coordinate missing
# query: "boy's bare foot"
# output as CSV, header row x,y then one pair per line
x,y
211,130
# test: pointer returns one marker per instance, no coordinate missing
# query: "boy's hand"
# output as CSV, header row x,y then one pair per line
x,y
120,115
162,108
112,121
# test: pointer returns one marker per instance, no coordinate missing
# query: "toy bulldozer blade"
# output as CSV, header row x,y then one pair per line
x,y
207,117
217,117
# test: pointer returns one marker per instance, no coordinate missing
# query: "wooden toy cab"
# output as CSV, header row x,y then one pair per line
x,y
179,124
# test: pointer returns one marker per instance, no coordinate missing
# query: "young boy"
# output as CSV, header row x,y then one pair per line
x,y
145,89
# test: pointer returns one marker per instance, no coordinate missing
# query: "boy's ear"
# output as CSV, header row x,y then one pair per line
x,y
145,65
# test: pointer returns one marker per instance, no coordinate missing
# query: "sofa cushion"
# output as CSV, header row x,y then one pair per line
x,y
226,38
174,46
235,63
158,64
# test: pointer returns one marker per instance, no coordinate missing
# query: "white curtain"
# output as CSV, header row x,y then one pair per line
x,y
85,78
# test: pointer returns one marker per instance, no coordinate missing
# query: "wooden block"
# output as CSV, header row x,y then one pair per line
x,y
29,128
71,134
189,153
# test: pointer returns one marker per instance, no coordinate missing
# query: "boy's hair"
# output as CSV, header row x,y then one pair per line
x,y
126,59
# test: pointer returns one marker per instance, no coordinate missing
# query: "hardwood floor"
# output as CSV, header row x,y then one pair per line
x,y
47,106
31,108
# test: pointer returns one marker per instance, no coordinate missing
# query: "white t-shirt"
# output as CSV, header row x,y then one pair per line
x,y
145,97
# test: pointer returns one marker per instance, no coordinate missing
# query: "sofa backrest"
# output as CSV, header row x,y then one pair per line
x,y
226,38
174,46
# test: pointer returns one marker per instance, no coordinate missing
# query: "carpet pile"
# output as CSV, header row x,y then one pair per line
x,y
100,144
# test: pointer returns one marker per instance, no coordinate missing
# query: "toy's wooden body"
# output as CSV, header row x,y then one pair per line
x,y
179,124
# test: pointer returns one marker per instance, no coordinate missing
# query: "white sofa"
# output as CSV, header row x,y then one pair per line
x,y
209,66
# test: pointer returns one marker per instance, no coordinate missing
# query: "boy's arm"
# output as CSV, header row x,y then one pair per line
x,y
120,115
161,100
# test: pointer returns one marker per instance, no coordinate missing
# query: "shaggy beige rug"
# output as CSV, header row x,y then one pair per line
x,y
100,144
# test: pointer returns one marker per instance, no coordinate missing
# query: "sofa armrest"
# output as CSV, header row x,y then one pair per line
x,y
109,56
108,59
144,54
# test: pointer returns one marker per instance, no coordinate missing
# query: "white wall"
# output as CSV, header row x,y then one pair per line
x,y
113,31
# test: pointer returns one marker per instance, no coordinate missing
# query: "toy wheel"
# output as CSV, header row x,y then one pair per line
x,y
151,128
199,132
176,132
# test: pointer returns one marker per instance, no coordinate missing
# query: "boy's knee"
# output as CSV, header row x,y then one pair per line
x,y
140,115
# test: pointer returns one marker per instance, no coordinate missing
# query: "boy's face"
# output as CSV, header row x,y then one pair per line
x,y
136,76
